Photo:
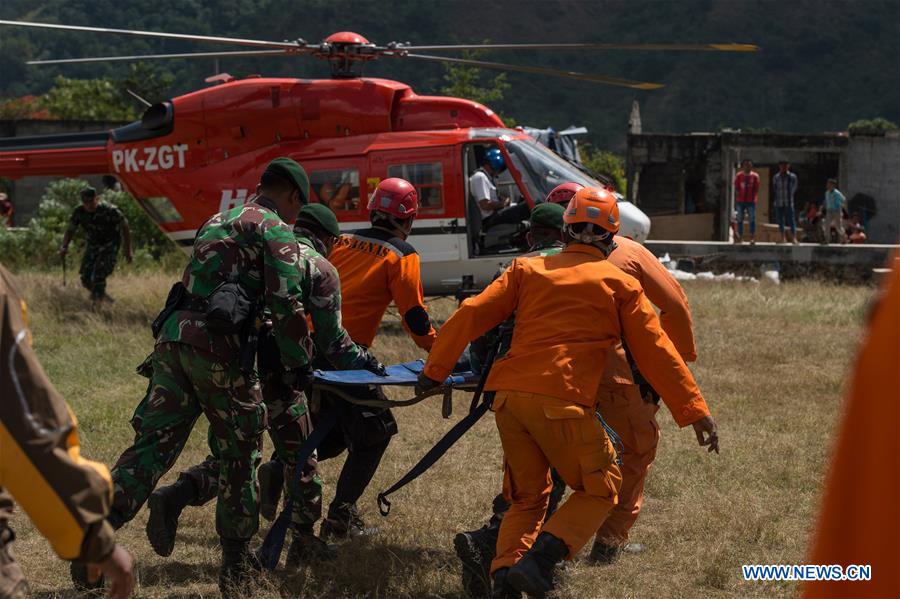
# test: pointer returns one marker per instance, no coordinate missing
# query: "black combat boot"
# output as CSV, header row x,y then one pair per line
x,y
533,574
78,570
476,550
343,522
307,548
239,567
165,505
271,481
603,554
502,590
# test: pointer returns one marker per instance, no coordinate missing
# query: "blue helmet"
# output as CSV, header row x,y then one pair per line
x,y
495,158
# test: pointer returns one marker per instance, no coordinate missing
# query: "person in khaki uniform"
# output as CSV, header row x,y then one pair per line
x,y
66,496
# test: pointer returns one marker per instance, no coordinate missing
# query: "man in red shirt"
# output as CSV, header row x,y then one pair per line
x,y
6,210
746,192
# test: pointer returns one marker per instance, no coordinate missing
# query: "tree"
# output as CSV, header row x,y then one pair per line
x,y
106,99
146,82
605,163
464,81
87,100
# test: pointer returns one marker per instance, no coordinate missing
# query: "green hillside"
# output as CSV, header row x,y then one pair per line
x,y
823,64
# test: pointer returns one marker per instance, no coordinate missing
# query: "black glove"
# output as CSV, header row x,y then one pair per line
x,y
372,364
298,378
425,384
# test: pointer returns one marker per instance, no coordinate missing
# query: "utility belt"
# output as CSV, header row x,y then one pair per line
x,y
228,310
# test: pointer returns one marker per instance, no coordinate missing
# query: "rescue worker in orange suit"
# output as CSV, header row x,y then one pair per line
x,y
627,403
866,466
376,266
570,308
66,496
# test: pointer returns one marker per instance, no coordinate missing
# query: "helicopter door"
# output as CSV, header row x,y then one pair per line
x,y
505,235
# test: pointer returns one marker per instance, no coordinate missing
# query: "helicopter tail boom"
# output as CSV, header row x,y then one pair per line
x,y
70,154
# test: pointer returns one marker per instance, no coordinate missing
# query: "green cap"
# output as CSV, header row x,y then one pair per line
x,y
547,214
293,172
321,216
88,193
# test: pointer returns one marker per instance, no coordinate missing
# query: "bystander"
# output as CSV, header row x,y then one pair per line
x,y
784,186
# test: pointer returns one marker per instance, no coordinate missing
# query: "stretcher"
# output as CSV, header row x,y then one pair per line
x,y
337,382
405,375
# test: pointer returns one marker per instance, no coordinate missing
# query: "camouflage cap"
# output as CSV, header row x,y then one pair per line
x,y
88,193
321,216
293,172
548,215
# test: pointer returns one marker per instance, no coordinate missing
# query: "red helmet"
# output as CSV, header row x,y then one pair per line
x,y
396,197
563,192
595,206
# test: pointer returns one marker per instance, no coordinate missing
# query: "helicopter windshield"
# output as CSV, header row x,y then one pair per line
x,y
542,170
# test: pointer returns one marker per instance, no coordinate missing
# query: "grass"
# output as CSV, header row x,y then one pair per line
x,y
772,365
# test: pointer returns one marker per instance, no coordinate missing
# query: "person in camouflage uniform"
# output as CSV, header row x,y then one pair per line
x,y
104,225
289,424
196,368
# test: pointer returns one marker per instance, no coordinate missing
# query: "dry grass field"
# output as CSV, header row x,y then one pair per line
x,y
773,362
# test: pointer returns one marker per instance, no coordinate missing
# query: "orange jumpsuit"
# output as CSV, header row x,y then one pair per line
x,y
620,401
859,520
376,268
571,309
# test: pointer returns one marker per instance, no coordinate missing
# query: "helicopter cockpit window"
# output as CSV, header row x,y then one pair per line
x,y
337,188
542,170
428,179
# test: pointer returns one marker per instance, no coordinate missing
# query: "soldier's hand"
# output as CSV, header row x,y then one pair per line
x,y
705,429
118,569
129,255
63,250
425,384
298,378
373,365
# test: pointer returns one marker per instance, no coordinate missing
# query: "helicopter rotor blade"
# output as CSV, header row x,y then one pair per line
x,y
166,56
159,34
499,66
589,46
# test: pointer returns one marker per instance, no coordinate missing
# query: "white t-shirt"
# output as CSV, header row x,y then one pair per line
x,y
481,187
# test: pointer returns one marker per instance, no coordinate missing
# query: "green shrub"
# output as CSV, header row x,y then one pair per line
x,y
876,127
37,245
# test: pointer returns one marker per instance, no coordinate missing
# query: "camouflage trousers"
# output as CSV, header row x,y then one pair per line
x,y
289,426
97,264
186,382
12,580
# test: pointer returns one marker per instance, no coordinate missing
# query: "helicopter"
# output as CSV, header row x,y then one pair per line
x,y
203,152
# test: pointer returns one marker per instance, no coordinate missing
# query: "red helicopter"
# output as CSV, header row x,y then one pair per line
x,y
203,152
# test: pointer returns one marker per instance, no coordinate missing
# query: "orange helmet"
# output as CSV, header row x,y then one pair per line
x,y
562,193
597,207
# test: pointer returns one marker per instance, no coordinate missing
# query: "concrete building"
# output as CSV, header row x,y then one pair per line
x,y
684,181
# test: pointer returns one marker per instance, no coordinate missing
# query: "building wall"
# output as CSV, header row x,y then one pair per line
x,y
26,193
872,167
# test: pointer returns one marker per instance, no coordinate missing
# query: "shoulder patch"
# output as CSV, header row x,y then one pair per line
x,y
381,239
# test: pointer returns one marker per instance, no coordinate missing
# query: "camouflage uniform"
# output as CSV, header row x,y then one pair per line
x,y
322,301
102,237
195,370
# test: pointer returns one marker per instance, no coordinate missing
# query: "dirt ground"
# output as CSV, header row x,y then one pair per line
x,y
772,364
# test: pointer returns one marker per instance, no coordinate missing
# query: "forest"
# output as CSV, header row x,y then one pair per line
x,y
780,88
